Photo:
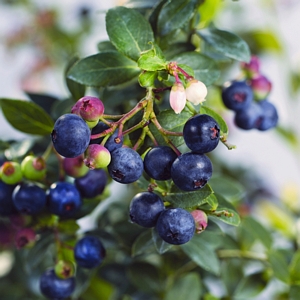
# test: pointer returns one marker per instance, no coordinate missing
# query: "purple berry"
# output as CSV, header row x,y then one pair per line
x,y
89,252
145,209
191,171
237,95
269,117
6,203
201,133
175,226
158,162
70,136
25,237
249,117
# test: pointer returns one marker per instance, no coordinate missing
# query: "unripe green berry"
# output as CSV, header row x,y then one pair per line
x,y
97,156
33,168
64,269
11,172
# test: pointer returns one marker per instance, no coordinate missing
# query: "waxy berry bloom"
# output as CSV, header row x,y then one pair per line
x,y
196,91
177,97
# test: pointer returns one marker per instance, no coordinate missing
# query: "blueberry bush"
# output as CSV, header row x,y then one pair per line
x,y
145,112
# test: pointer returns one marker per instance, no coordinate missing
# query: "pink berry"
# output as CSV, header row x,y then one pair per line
x,y
97,156
25,237
89,108
75,167
251,69
261,87
200,218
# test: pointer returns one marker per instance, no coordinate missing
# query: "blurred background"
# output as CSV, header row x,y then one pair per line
x,y
38,37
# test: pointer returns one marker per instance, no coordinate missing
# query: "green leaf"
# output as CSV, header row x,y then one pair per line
x,y
226,43
212,201
103,69
294,292
68,226
19,149
76,89
205,68
228,187
147,78
265,41
27,116
143,244
224,206
294,268
258,231
208,10
128,31
105,45
174,15
202,254
184,199
217,117
279,265
160,245
172,122
43,100
186,287
152,60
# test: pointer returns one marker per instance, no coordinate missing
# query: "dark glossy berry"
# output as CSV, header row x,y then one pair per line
x,y
71,135
269,117
158,162
191,171
29,198
175,226
64,199
237,95
145,209
126,165
6,203
249,117
201,133
54,287
89,252
111,144
92,184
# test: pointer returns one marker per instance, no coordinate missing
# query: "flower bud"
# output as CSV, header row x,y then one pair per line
x,y
89,108
251,69
25,238
200,218
11,172
261,87
177,98
75,166
196,91
97,156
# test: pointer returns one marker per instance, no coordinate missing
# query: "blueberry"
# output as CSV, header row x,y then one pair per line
x,y
92,184
191,171
175,226
6,203
158,162
201,133
269,117
145,209
237,95
54,287
89,252
126,165
110,144
249,117
29,198
71,135
64,199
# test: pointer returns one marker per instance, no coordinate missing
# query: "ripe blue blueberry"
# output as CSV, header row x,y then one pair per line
x,y
6,202
175,226
110,144
54,287
249,118
269,117
91,184
145,209
158,162
237,95
29,198
201,133
191,171
126,165
64,199
71,135
89,252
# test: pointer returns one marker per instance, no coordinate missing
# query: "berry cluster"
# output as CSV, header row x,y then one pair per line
x,y
248,99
